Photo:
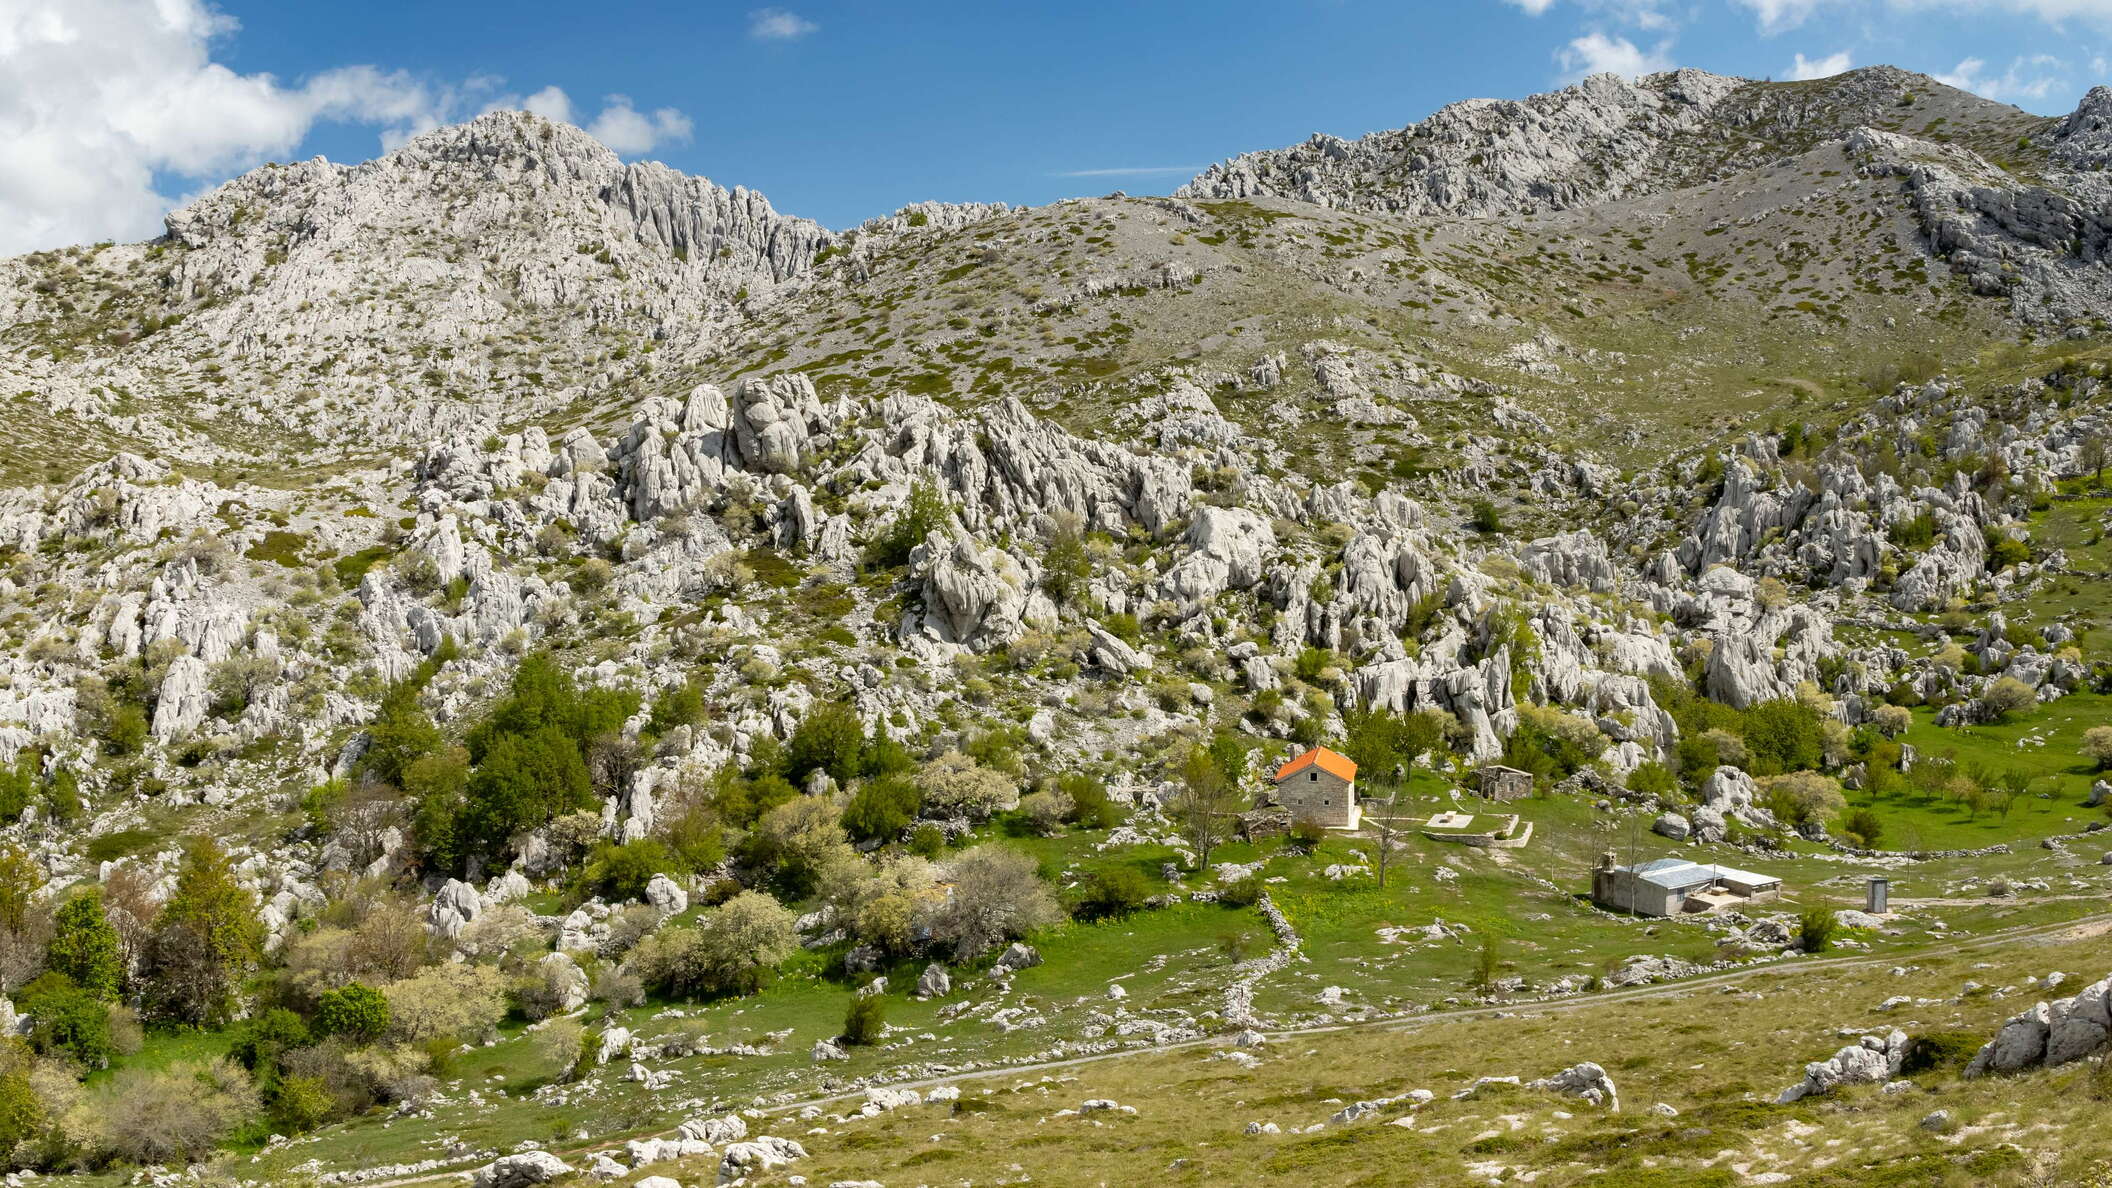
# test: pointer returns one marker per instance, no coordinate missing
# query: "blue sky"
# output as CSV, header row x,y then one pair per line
x,y
841,110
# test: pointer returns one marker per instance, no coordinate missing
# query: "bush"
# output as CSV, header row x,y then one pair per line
x,y
301,1103
733,950
956,785
1307,835
1815,929
621,872
357,1012
829,739
1939,1051
68,1021
1864,826
1045,811
259,1041
176,1116
1893,721
881,809
2007,696
1112,893
1244,892
1804,796
84,946
865,1021
2097,746
1783,735
1091,807
455,1001
1485,519
997,896
1653,779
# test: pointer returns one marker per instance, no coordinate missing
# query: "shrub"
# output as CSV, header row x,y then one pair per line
x,y
1893,721
2097,746
1653,779
1244,892
956,785
2007,696
1815,929
1783,735
997,896
927,841
1804,796
84,947
455,1001
1307,835
1110,893
621,872
68,1021
733,950
1485,518
357,1012
301,1103
1045,811
178,1115
1937,1051
865,1020
881,809
258,1042
830,739
1091,807
207,937
1864,826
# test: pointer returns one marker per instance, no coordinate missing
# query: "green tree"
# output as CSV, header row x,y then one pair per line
x,y
1111,893
1205,805
355,1011
621,872
206,939
84,947
928,510
20,878
865,1020
1065,566
401,733
523,781
1783,735
67,1020
682,705
831,738
881,809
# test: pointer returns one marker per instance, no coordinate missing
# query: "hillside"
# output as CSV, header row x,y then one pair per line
x,y
506,653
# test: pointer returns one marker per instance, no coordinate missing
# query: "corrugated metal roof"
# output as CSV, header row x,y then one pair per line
x,y
1678,873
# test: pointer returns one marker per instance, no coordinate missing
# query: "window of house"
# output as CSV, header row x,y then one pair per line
x,y
1313,776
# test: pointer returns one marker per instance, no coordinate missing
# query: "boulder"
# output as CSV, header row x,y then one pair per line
x,y
666,896
519,1171
1672,825
760,1154
1016,957
1872,1060
1587,1081
934,982
2019,1045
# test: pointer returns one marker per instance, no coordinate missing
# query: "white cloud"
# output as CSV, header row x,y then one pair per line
x,y
1643,14
1131,172
1597,53
98,97
777,24
1826,67
1776,16
629,131
105,102
2033,76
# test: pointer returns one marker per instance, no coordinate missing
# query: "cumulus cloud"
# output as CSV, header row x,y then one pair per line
x,y
1776,16
1598,53
1826,67
1642,14
105,104
2032,77
777,24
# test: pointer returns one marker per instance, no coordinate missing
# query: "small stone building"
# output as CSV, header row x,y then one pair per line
x,y
1500,783
1320,786
1671,886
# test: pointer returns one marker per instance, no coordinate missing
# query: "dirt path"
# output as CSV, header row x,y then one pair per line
x,y
2066,930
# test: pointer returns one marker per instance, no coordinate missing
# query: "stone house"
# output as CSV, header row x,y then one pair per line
x,y
1671,886
1496,782
1320,786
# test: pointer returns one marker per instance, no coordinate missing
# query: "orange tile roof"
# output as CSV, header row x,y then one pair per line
x,y
1328,761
